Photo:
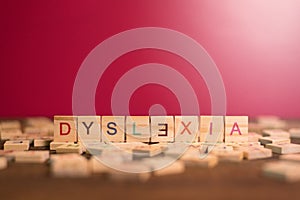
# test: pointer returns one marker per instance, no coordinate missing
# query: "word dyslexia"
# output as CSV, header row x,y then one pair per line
x,y
151,128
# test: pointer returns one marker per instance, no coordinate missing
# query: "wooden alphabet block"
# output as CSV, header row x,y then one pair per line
x,y
138,129
54,145
147,150
253,137
231,156
69,165
31,156
284,148
10,124
10,134
253,153
42,141
274,140
282,170
211,129
236,128
69,148
16,145
113,128
207,161
186,129
162,128
89,128
294,132
65,129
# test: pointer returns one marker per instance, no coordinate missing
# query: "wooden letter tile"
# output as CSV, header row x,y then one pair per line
x,y
65,129
88,128
284,148
211,129
236,128
186,129
113,128
137,128
162,128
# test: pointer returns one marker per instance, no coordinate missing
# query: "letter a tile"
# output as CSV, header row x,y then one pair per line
x,y
236,128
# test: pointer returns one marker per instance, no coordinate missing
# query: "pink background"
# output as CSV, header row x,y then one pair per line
x,y
255,44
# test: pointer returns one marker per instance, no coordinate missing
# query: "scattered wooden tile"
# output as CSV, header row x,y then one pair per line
x,y
3,163
113,128
202,160
147,150
294,132
138,129
236,128
42,141
253,137
276,133
96,148
211,129
284,148
69,165
65,129
176,167
231,156
69,148
54,145
253,153
282,170
206,148
274,140
186,129
37,121
16,145
10,134
31,156
32,130
89,128
162,128
10,124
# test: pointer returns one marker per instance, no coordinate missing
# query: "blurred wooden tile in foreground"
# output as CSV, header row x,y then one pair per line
x,y
282,170
69,165
31,156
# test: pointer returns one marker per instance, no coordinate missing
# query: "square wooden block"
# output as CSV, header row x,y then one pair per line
x,y
17,145
211,129
236,128
89,128
162,128
65,129
113,128
186,128
138,129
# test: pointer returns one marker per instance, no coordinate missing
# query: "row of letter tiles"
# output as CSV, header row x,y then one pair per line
x,y
151,128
